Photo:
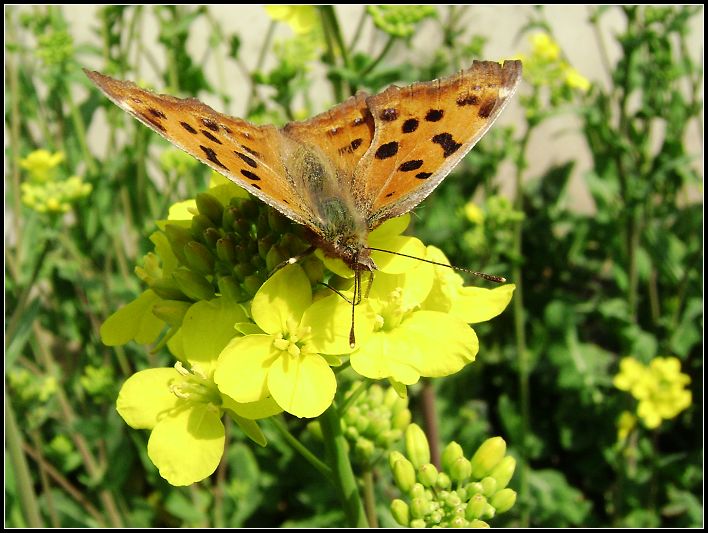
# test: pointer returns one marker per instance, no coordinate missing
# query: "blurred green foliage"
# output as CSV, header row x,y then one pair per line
x,y
622,280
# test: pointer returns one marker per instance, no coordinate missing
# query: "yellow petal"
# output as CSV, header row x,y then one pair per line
x,y
188,446
303,386
243,367
476,304
145,397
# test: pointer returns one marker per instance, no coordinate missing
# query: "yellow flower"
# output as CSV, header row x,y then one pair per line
x,y
41,164
574,79
473,213
660,388
545,47
301,19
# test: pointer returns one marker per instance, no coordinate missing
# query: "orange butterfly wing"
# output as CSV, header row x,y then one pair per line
x,y
247,154
423,130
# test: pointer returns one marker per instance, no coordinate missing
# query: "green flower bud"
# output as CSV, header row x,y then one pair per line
x,y
503,500
313,268
450,454
474,488
400,512
362,423
404,475
478,524
435,517
417,447
171,311
379,424
489,486
178,237
252,283
375,395
504,471
226,249
277,222
210,207
315,429
264,246
489,512
242,227
452,500
262,226
475,507
428,475
167,289
364,448
420,507
230,288
418,523
274,257
199,258
401,419
460,469
418,491
229,217
393,457
241,270
200,223
211,237
487,456
458,522
193,285
443,481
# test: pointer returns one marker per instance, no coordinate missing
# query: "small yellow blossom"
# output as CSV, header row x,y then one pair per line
x,y
545,47
659,387
41,164
301,19
574,79
474,213
54,196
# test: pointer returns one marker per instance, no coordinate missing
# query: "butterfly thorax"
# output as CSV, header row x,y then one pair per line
x,y
340,228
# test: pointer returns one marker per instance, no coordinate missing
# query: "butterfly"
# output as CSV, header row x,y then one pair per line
x,y
345,171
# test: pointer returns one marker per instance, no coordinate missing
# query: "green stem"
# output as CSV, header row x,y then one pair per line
x,y
520,333
18,463
329,55
337,453
80,129
430,418
371,66
370,498
330,15
323,469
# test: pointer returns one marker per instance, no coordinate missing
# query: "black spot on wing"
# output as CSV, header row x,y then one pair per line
x,y
423,175
434,115
211,156
209,123
152,120
408,166
389,115
447,143
251,151
250,175
157,113
486,108
250,162
387,150
187,127
410,125
210,137
467,99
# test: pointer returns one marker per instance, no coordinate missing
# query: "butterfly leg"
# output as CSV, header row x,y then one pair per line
x,y
293,260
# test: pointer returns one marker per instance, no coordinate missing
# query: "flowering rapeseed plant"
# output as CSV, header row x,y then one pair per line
x,y
252,340
44,190
659,387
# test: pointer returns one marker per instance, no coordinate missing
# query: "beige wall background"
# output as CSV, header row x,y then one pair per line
x,y
556,141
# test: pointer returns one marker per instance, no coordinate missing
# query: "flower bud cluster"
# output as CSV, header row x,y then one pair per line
x,y
227,250
464,493
375,421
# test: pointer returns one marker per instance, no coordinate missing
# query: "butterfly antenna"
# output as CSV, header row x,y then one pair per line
x,y
483,275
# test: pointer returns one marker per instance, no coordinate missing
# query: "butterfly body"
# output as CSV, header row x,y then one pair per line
x,y
343,172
